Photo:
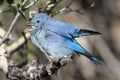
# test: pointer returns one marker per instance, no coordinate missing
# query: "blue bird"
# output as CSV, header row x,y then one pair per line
x,y
57,39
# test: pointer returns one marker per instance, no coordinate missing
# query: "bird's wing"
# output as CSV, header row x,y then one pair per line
x,y
69,31
75,46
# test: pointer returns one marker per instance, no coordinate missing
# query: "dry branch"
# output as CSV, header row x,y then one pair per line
x,y
13,47
34,70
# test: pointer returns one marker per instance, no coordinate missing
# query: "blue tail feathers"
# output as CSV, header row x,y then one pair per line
x,y
95,60
80,50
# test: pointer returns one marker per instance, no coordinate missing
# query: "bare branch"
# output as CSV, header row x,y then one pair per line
x,y
3,60
11,27
50,6
12,24
13,47
31,4
20,10
67,9
35,70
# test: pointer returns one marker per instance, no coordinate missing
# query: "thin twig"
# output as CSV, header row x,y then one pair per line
x,y
12,24
31,4
20,10
67,9
11,27
13,47
64,9
52,7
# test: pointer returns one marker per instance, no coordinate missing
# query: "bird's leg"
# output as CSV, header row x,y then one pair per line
x,y
48,68
52,61
65,59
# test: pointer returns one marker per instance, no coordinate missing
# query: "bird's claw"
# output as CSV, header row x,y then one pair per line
x,y
48,67
66,59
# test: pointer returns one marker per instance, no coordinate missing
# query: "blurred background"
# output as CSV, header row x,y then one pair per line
x,y
99,15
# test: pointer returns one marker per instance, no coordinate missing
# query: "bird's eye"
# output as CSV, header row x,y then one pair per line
x,y
38,21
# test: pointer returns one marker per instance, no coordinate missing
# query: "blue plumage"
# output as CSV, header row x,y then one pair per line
x,y
56,38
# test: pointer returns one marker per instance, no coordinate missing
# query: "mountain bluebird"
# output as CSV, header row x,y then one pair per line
x,y
57,39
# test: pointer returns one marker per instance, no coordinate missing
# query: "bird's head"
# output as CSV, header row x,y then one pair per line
x,y
39,20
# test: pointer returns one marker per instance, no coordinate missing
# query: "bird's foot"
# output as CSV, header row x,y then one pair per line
x,y
53,59
48,68
66,59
